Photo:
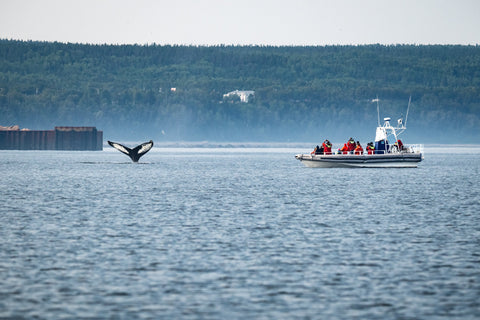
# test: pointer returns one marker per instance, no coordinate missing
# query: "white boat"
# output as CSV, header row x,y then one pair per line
x,y
400,159
396,155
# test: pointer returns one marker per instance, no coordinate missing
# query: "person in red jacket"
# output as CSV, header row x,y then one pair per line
x,y
370,148
344,149
358,148
351,144
400,144
327,147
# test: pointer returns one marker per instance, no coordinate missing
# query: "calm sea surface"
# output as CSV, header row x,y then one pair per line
x,y
237,233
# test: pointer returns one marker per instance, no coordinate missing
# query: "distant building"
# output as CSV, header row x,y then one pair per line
x,y
62,138
242,94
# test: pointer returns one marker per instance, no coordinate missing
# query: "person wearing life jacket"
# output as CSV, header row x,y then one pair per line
x,y
370,148
351,144
327,147
344,149
358,148
400,144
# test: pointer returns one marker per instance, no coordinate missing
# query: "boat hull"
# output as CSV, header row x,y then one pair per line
x,y
400,160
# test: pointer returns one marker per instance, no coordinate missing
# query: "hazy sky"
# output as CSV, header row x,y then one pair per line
x,y
268,22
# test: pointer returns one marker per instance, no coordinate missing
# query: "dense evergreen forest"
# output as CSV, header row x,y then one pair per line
x,y
175,93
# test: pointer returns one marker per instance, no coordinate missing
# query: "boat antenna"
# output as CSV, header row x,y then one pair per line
x,y
406,117
378,109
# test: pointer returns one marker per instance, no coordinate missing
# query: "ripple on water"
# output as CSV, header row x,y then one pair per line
x,y
219,235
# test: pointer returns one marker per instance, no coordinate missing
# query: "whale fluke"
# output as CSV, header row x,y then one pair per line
x,y
134,153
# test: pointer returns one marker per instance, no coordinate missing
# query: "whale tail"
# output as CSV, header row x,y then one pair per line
x,y
134,153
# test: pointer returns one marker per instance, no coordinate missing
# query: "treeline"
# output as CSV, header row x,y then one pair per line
x,y
172,93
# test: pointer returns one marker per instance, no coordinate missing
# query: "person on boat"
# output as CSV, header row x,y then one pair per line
x,y
351,144
327,147
317,150
343,149
400,144
358,149
370,148
320,150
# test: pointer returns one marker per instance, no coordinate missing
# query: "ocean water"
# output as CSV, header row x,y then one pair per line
x,y
237,233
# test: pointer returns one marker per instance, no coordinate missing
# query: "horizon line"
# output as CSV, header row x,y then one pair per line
x,y
392,44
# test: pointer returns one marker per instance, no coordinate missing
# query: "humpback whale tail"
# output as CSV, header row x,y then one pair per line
x,y
134,153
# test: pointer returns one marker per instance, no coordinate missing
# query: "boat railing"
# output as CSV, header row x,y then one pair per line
x,y
410,148
416,148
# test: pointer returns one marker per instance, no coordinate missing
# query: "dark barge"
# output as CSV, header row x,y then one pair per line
x,y
62,138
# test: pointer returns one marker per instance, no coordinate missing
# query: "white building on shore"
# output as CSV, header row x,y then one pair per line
x,y
243,94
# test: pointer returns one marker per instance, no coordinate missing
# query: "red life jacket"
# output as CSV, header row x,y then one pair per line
x,y
351,146
400,144
327,148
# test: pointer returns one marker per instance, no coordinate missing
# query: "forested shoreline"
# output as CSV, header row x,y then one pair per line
x,y
176,93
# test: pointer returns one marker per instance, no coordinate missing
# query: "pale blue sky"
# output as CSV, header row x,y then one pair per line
x,y
243,22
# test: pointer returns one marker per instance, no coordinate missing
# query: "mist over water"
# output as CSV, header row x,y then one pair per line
x,y
232,233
